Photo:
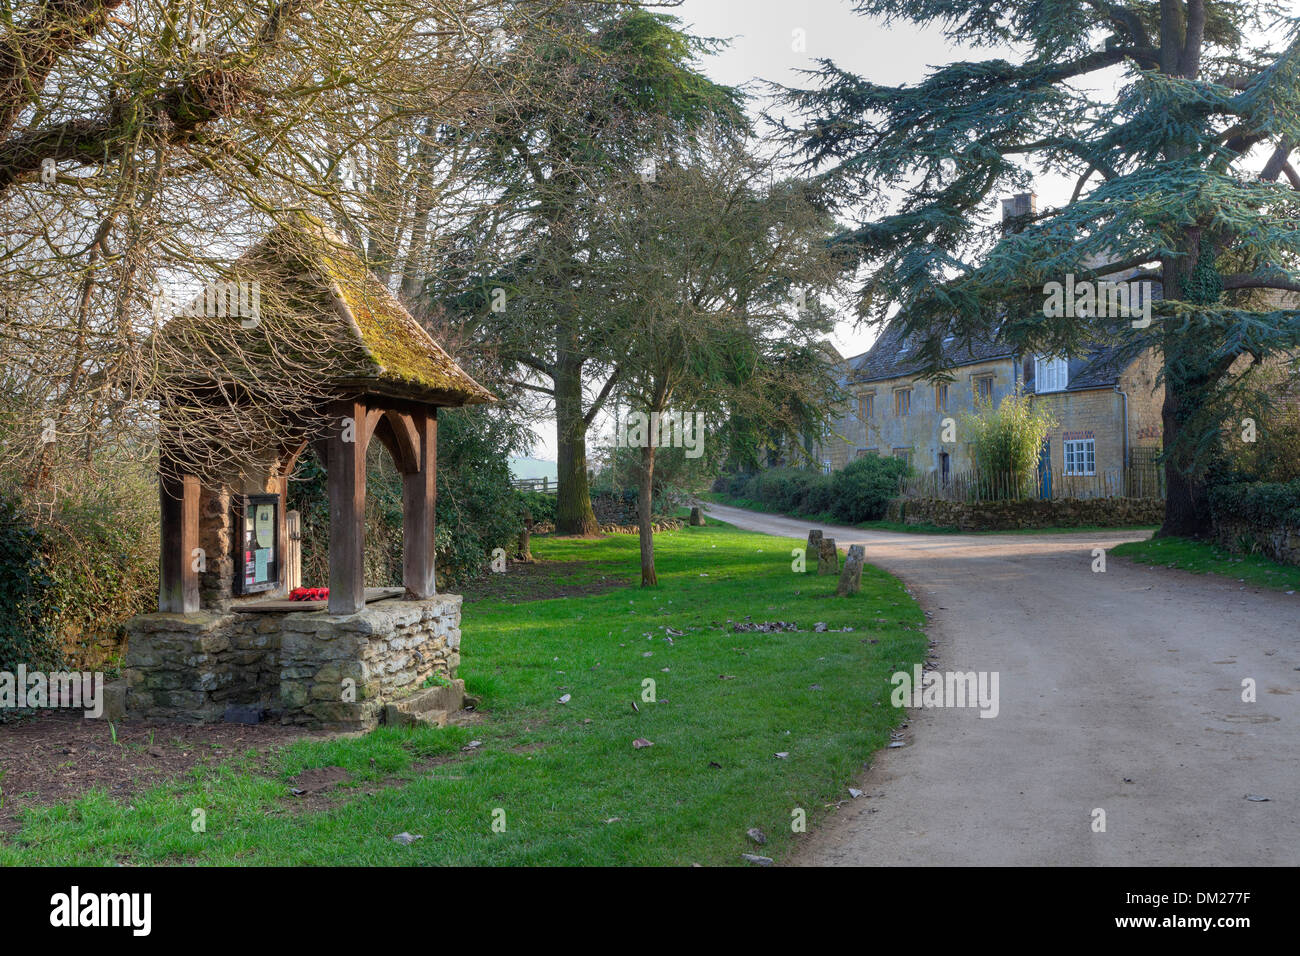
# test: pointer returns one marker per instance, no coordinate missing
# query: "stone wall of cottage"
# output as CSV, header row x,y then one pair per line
x,y
918,432
307,668
1145,400
1093,413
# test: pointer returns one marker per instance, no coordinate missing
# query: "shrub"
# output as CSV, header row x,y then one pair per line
x,y
26,636
1260,503
1006,441
818,497
738,485
540,506
102,556
862,489
859,492
71,577
1274,456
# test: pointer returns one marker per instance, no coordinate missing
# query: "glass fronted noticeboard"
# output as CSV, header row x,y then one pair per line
x,y
257,556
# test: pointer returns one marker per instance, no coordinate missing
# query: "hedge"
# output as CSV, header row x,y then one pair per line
x,y
1260,503
859,492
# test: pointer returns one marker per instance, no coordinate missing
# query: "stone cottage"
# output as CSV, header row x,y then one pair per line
x,y
1107,411
1107,407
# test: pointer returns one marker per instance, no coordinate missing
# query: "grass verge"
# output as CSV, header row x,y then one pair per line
x,y
1201,557
562,783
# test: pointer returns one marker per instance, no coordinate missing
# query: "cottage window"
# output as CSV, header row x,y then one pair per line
x,y
984,389
903,401
1051,374
867,406
1081,457
941,397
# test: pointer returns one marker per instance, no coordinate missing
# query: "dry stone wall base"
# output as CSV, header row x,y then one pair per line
x,y
1012,515
1281,543
305,668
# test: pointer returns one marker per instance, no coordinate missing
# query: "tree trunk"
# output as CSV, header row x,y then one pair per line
x,y
645,502
1189,379
1187,511
573,512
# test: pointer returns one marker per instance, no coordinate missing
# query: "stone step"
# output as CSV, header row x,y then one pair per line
x,y
114,698
429,706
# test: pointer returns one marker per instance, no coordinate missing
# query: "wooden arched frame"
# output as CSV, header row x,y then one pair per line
x,y
410,433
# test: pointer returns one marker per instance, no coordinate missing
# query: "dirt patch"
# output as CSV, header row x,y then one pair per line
x,y
539,580
320,789
57,756
317,781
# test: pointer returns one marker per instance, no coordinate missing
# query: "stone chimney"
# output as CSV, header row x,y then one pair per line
x,y
1017,210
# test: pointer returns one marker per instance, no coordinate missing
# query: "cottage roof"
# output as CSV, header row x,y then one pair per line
x,y
894,356
323,315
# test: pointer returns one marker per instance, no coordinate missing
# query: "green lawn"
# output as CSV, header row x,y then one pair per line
x,y
565,778
1202,557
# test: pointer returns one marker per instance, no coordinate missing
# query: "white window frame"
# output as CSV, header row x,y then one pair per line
x,y
1051,374
827,467
1079,456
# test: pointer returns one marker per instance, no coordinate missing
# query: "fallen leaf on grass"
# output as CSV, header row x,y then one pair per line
x,y
641,743
406,839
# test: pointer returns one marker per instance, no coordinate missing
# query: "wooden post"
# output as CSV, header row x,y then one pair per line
x,y
812,549
292,550
523,550
419,511
828,558
347,493
851,576
178,579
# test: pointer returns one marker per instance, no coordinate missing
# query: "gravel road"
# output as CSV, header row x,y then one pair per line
x,y
1118,691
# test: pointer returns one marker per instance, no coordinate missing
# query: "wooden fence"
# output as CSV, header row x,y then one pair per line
x,y
544,485
1140,480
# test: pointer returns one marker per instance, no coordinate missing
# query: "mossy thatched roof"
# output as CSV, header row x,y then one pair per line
x,y
322,317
